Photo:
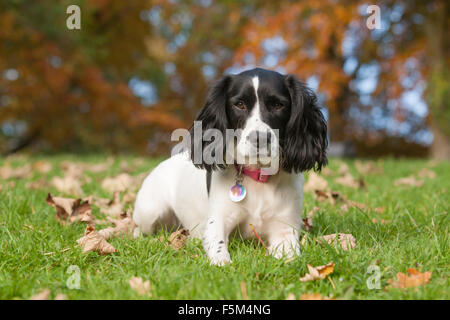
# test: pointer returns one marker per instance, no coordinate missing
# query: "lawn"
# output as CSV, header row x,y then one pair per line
x,y
411,230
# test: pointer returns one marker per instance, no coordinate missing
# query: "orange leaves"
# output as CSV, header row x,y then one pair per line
x,y
318,273
414,278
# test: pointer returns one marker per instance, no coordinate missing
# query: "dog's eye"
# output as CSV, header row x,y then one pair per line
x,y
278,106
240,105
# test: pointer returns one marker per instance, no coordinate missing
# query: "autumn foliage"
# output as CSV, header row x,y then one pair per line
x,y
70,90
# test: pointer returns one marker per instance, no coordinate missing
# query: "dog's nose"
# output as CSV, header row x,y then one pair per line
x,y
259,138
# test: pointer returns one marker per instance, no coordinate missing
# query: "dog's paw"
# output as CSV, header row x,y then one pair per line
x,y
282,250
220,259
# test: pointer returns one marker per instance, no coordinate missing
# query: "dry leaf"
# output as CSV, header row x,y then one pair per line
x,y
244,291
316,273
120,183
122,226
68,184
380,210
6,172
60,296
343,169
426,173
383,221
313,296
141,287
368,167
308,221
408,181
315,182
42,166
70,210
332,196
346,240
111,207
349,181
414,278
92,241
291,296
43,295
178,238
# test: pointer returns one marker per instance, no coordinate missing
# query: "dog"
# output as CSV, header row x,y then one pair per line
x,y
199,195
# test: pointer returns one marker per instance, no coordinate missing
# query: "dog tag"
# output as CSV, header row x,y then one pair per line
x,y
237,192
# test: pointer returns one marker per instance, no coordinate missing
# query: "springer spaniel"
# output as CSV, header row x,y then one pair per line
x,y
278,122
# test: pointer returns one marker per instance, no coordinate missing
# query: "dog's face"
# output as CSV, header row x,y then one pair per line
x,y
274,117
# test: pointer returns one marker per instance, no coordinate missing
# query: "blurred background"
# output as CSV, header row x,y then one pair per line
x,y
137,70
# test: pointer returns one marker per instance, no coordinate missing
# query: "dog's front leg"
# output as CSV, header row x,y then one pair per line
x,y
221,221
283,238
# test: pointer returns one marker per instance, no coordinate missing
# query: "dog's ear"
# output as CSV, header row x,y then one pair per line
x,y
305,142
212,116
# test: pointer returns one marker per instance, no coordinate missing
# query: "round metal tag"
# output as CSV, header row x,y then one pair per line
x,y
237,192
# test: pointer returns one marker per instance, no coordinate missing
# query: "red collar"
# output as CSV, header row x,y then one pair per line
x,y
255,174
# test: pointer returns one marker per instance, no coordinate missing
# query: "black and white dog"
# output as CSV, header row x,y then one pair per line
x,y
197,196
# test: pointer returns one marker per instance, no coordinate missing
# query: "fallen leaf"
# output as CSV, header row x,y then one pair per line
x,y
343,169
346,240
313,296
383,221
368,167
331,196
408,181
308,221
7,172
178,238
111,207
60,296
42,166
426,173
120,183
68,184
315,182
414,278
141,287
92,241
244,291
122,226
349,181
291,296
380,210
317,273
70,210
43,295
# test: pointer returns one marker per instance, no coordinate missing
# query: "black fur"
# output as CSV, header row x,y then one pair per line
x,y
305,142
301,125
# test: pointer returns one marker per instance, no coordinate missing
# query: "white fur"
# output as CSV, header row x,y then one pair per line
x,y
175,193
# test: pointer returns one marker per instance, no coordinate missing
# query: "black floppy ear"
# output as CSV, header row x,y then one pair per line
x,y
305,142
212,116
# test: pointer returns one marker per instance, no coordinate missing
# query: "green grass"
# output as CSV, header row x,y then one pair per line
x,y
417,237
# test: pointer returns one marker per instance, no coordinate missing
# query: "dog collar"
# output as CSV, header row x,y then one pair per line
x,y
255,174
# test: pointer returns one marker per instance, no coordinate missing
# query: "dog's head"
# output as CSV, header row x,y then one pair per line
x,y
274,116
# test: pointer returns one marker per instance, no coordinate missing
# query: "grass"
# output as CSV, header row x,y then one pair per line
x,y
32,243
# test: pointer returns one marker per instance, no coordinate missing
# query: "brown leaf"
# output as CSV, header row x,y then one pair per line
x,y
70,210
346,240
349,181
308,221
315,182
408,181
92,241
244,291
122,226
42,166
68,184
119,183
141,287
6,172
427,173
43,295
414,278
368,167
178,238
317,273
111,207
313,296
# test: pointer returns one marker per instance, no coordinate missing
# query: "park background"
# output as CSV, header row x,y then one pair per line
x,y
137,70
